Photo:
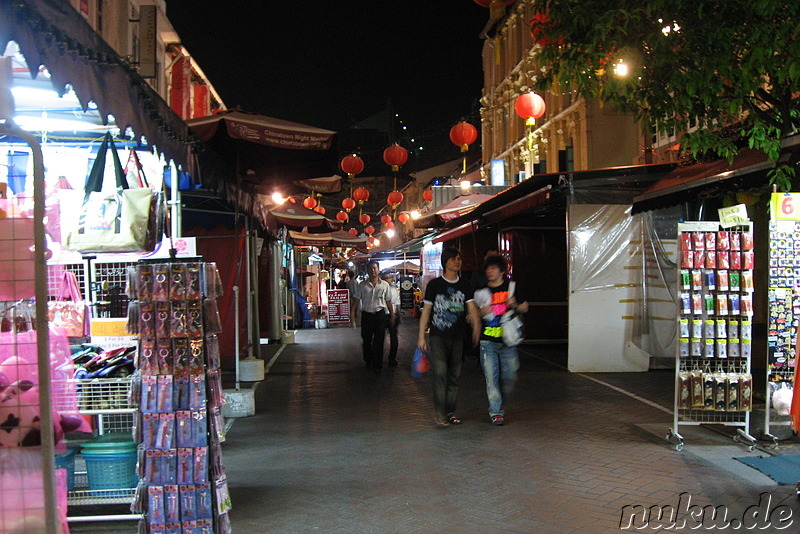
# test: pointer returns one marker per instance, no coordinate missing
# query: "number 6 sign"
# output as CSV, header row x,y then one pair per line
x,y
785,206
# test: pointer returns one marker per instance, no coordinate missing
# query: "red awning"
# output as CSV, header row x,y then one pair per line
x,y
264,130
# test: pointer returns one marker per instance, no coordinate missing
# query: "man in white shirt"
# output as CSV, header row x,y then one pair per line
x,y
393,324
373,296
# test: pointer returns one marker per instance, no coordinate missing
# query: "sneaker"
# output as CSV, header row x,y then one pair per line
x,y
497,420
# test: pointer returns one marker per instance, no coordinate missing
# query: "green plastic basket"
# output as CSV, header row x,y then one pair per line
x,y
110,464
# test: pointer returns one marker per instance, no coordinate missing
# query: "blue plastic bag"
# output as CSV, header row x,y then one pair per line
x,y
420,363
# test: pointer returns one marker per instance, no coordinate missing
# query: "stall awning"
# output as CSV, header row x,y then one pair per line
x,y
51,33
685,183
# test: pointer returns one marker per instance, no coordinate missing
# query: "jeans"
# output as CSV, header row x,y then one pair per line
x,y
373,330
500,364
444,353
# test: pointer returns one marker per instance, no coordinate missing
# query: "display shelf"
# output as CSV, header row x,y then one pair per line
x,y
712,369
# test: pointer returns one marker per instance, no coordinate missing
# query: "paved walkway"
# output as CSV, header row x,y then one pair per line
x,y
334,448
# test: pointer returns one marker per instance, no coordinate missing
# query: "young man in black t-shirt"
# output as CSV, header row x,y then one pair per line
x,y
499,361
448,299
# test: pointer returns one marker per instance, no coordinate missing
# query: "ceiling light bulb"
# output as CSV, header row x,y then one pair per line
x,y
277,198
465,184
390,233
414,214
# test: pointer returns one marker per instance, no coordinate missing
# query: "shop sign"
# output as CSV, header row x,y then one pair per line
x,y
733,216
785,206
111,333
338,305
147,41
406,293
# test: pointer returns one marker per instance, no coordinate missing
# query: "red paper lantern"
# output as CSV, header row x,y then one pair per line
x,y
352,165
427,195
371,240
363,218
353,231
348,204
369,230
361,194
292,200
386,218
403,217
394,199
342,216
395,156
463,134
389,225
319,209
310,203
529,106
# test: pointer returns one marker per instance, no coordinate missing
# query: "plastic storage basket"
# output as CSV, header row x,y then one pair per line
x,y
66,460
110,465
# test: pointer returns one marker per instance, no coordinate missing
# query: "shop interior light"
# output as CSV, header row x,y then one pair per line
x,y
414,214
277,198
466,184
44,123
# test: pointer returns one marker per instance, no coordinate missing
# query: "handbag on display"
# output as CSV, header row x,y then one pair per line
x,y
69,311
513,326
117,221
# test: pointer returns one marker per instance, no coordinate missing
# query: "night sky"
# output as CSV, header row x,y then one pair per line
x,y
333,63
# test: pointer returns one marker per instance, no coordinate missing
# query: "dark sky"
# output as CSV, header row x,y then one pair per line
x,y
330,63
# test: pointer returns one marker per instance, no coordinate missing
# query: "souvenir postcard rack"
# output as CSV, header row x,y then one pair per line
x,y
784,310
712,371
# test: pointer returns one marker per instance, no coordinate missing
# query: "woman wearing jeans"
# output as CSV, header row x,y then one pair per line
x,y
500,362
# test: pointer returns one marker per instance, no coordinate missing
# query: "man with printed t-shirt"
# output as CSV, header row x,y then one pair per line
x,y
500,362
448,300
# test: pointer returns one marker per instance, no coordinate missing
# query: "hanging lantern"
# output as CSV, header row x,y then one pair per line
x,y
348,204
342,216
386,218
310,203
530,107
363,218
319,209
352,165
463,134
352,231
394,199
403,217
369,230
395,156
292,200
427,195
388,226
371,240
361,195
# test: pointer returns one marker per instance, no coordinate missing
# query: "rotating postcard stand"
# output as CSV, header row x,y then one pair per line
x,y
712,368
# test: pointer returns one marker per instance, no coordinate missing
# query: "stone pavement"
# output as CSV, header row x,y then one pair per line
x,y
334,448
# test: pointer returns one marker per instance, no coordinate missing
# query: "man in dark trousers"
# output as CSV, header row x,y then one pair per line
x,y
375,299
448,303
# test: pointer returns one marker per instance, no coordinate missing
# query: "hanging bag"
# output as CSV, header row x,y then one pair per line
x,y
419,363
116,221
511,321
69,310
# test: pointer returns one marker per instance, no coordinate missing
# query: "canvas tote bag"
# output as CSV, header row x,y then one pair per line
x,y
112,222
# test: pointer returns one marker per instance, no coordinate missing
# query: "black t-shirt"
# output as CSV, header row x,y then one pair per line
x,y
492,331
448,302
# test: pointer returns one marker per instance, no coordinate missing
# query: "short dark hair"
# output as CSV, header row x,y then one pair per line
x,y
370,262
449,253
496,261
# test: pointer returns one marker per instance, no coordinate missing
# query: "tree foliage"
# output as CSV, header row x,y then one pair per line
x,y
694,66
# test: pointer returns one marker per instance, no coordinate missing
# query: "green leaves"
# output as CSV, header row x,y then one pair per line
x,y
718,62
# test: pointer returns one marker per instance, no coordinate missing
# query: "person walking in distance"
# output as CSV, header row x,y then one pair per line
x,y
448,302
393,325
374,297
500,362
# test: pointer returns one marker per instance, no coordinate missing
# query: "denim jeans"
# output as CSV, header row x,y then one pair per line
x,y
500,364
444,353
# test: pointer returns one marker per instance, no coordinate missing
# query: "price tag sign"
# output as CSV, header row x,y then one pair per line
x,y
785,206
733,216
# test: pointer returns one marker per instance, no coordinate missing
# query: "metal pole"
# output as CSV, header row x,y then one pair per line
x,y
248,287
42,332
254,290
236,330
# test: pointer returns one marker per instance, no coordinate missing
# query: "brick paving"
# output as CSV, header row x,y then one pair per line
x,y
334,448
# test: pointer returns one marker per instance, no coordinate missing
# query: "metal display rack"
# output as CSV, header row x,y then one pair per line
x,y
106,399
712,371
784,311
